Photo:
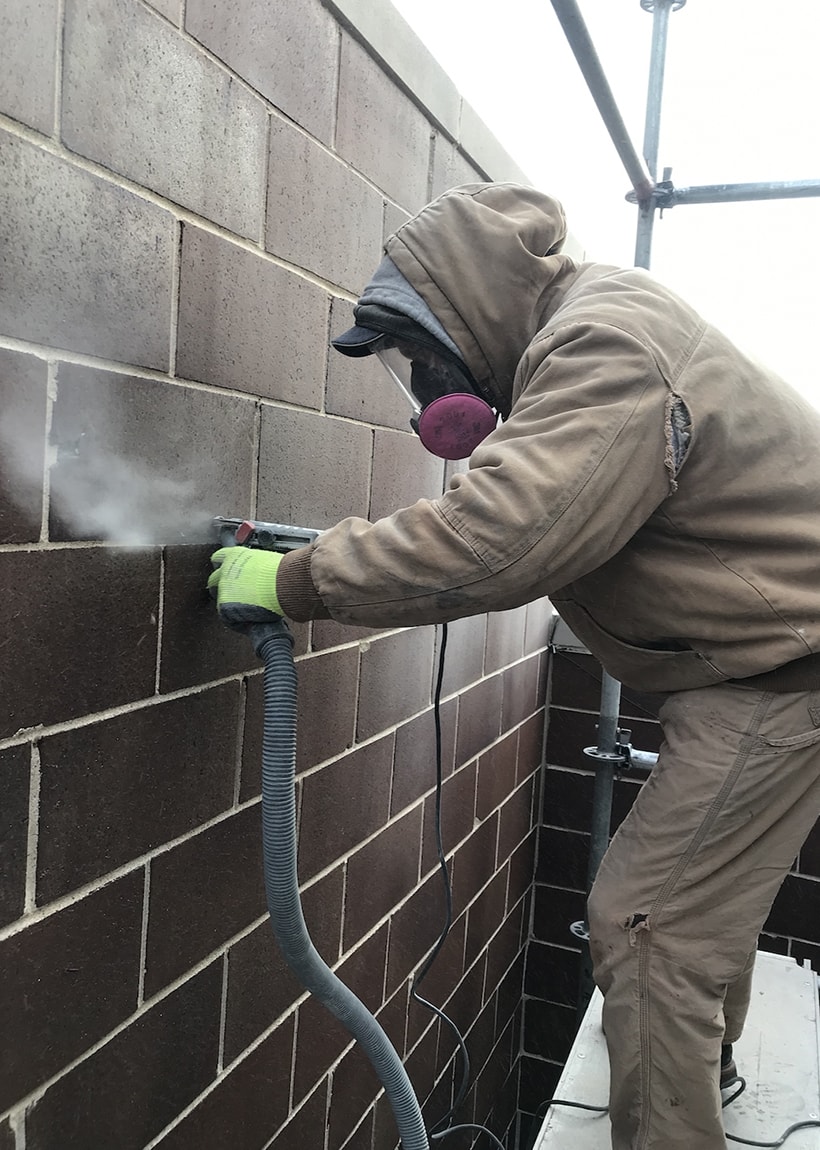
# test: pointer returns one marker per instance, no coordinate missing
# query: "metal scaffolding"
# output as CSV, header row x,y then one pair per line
x,y
650,195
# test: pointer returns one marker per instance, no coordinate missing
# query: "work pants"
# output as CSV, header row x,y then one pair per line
x,y
681,897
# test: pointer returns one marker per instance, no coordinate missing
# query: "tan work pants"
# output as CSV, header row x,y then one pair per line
x,y
682,894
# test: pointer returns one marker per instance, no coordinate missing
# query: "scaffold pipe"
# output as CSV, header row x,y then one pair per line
x,y
584,51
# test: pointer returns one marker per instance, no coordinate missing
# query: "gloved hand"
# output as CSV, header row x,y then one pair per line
x,y
244,585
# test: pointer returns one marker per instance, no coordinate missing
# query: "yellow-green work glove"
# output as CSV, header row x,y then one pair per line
x,y
244,584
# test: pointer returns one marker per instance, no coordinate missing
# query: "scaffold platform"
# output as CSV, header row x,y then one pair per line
x,y
778,1055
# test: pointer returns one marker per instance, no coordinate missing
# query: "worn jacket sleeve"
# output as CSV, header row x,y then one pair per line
x,y
549,496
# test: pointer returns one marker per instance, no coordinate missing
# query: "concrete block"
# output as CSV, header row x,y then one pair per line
x,y
395,678
248,324
140,461
402,473
287,52
380,130
48,1019
240,1107
394,40
170,9
111,1097
14,779
89,637
133,782
28,33
393,219
183,929
143,101
336,231
196,646
86,265
313,470
451,168
23,381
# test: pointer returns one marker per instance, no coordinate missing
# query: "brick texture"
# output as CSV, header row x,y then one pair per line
x,y
395,679
14,786
415,762
169,8
68,980
141,462
372,110
275,56
342,207
131,784
123,105
59,228
90,636
344,804
326,706
242,319
183,928
450,167
224,1118
312,470
402,473
389,868
102,1102
23,382
195,646
464,652
27,77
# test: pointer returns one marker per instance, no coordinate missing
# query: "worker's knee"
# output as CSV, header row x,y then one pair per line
x,y
614,930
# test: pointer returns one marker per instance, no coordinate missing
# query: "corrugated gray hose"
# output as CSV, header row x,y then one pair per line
x,y
273,644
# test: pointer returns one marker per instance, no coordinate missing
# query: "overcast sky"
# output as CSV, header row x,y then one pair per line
x,y
741,104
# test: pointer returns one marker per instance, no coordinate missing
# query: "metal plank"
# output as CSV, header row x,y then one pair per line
x,y
778,1056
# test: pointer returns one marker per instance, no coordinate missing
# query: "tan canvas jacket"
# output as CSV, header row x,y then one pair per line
x,y
661,487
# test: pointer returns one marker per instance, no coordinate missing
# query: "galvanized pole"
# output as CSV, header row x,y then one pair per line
x,y
738,193
578,37
660,10
607,754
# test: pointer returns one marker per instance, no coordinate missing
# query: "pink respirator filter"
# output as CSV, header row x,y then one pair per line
x,y
452,426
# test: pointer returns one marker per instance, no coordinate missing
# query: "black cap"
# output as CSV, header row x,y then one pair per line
x,y
380,321
357,340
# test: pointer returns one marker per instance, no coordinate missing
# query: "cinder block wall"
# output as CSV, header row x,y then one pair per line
x,y
192,194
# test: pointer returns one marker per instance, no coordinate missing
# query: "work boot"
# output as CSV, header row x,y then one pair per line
x,y
728,1068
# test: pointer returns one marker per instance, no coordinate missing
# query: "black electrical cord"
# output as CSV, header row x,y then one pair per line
x,y
741,1086
762,1145
436,1131
774,1145
544,1107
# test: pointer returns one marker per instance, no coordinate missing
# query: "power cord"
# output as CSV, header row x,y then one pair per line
x,y
436,1131
762,1145
741,1086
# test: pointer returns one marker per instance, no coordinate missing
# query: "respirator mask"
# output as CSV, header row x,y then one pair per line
x,y
448,416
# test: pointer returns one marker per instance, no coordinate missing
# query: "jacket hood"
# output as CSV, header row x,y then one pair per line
x,y
486,260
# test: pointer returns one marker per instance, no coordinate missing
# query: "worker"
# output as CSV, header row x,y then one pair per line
x,y
662,488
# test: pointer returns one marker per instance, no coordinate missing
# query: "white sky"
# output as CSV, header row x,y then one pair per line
x,y
741,104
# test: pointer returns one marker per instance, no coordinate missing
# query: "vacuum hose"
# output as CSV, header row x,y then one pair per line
x,y
273,644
